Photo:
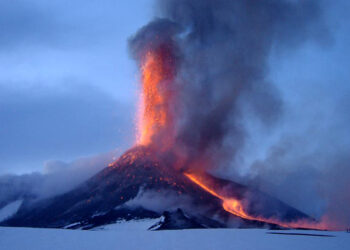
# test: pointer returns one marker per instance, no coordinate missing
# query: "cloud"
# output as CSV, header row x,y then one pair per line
x,y
42,123
24,22
58,177
62,24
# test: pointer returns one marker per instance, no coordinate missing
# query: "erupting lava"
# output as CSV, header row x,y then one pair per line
x,y
154,111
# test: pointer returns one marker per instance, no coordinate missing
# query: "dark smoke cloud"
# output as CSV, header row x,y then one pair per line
x,y
224,48
225,63
226,99
157,33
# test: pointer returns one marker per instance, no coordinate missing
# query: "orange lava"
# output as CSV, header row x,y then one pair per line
x,y
236,207
231,205
154,113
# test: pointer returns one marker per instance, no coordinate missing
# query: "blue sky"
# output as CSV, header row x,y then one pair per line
x,y
68,86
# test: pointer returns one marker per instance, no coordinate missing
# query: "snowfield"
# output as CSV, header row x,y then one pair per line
x,y
128,236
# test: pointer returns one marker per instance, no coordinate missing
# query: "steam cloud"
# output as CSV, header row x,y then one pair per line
x,y
58,177
222,53
167,201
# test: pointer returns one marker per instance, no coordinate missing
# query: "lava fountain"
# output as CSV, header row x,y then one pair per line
x,y
154,113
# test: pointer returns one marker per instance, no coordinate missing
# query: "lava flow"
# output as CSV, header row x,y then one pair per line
x,y
231,205
236,207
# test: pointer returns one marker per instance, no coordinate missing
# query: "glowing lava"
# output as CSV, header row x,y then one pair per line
x,y
154,110
231,205
236,207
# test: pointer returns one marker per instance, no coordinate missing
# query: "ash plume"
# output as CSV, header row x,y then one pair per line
x,y
222,51
222,87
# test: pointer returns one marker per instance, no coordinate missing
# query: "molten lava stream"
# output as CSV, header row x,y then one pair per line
x,y
236,207
231,205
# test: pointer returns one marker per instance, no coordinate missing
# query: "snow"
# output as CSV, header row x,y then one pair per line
x,y
72,225
9,210
142,224
130,238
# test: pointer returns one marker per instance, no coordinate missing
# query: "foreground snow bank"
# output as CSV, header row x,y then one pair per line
x,y
30,238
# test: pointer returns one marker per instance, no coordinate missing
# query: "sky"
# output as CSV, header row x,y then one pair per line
x,y
67,83
68,86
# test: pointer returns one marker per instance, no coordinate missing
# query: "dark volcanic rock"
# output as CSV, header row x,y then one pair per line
x,y
111,188
101,200
115,215
179,220
176,220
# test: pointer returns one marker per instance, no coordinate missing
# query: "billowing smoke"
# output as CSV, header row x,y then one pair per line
x,y
308,166
222,50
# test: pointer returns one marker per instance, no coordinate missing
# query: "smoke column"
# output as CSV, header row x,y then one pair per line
x,y
218,52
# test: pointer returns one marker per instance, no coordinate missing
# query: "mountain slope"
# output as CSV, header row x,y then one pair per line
x,y
105,198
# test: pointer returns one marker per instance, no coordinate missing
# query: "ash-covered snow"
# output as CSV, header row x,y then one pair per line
x,y
10,209
130,238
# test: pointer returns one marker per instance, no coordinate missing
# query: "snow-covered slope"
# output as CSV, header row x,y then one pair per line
x,y
9,210
254,239
132,225
109,195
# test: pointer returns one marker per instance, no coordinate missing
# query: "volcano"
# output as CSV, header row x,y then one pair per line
x,y
195,83
107,197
